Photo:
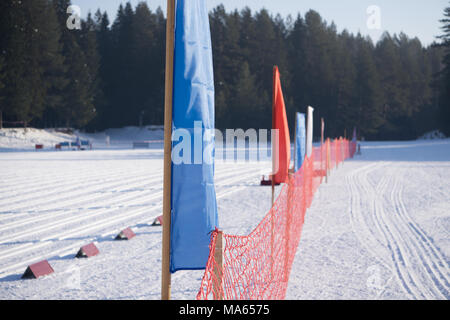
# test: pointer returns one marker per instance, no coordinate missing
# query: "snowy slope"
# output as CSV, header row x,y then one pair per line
x,y
25,139
53,202
378,229
20,138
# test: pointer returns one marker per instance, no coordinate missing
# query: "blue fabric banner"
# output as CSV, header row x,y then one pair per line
x,y
194,207
300,140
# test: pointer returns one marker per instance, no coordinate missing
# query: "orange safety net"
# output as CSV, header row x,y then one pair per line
x,y
257,266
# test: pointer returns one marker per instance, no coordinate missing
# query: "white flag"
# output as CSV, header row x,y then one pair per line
x,y
309,132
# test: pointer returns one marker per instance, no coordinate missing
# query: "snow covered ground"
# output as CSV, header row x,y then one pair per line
x,y
378,230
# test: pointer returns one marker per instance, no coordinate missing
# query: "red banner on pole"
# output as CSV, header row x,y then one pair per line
x,y
281,147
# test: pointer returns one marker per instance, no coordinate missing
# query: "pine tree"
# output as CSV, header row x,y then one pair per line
x,y
32,56
2,87
145,65
415,84
281,59
368,92
102,76
297,62
219,28
17,93
263,45
52,62
246,101
227,61
105,69
78,102
388,62
89,45
444,99
317,67
426,119
343,113
160,53
3,41
121,81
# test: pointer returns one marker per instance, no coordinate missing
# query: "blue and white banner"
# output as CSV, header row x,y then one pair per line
x,y
300,140
193,199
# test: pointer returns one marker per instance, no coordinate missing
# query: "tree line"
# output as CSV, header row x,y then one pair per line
x,y
111,73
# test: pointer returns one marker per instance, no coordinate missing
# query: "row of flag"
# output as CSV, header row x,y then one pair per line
x,y
193,209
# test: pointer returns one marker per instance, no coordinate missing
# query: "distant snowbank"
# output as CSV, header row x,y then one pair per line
x,y
136,133
435,134
12,139
20,139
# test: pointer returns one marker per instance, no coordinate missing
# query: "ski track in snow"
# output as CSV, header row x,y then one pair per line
x,y
54,202
37,216
387,231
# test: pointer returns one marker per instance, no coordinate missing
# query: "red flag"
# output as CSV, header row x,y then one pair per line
x,y
281,148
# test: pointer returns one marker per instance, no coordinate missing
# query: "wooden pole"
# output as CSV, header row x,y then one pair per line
x,y
327,164
218,271
274,149
170,38
322,132
277,136
1,120
273,191
290,199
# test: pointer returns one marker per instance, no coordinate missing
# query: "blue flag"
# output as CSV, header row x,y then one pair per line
x,y
300,140
193,200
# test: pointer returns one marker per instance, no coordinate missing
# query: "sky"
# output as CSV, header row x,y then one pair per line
x,y
416,18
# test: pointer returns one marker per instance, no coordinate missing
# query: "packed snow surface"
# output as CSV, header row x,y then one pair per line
x,y
379,229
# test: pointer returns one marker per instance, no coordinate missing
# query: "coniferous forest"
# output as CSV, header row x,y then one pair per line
x,y
110,73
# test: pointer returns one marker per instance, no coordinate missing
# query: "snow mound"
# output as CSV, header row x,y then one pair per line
x,y
14,139
435,134
136,133
21,138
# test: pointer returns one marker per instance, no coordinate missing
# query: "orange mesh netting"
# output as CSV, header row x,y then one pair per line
x,y
257,266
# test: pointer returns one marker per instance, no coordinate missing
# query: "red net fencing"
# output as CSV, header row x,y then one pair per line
x,y
257,266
